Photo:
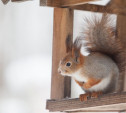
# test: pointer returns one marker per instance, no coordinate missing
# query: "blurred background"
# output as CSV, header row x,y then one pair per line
x,y
26,32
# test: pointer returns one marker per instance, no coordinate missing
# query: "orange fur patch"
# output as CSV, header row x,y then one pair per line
x,y
84,97
79,83
81,60
91,82
96,94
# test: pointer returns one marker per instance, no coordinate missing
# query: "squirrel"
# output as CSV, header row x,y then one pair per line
x,y
98,72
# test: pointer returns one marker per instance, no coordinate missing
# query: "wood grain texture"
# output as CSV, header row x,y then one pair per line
x,y
74,2
113,7
97,8
63,3
109,102
121,26
20,0
63,26
50,3
118,3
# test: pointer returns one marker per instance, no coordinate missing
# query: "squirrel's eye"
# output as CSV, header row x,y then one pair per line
x,y
68,64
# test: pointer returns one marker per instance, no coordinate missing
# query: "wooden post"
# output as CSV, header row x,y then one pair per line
x,y
63,25
121,25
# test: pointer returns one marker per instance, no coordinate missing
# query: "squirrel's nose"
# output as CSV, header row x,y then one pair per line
x,y
59,71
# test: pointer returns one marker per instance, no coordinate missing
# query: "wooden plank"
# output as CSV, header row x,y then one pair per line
x,y
108,102
121,26
93,8
19,0
106,108
97,8
74,2
50,3
63,26
111,8
118,6
63,3
119,3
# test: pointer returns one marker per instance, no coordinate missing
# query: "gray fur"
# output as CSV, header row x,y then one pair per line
x,y
100,66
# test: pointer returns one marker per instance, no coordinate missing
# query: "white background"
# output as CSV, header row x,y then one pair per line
x,y
26,31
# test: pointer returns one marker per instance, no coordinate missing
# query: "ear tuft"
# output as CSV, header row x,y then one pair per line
x,y
77,56
69,43
78,42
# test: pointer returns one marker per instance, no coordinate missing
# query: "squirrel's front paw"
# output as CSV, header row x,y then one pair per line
x,y
84,97
86,86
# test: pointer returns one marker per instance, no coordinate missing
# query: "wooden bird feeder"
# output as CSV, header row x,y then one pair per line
x,y
61,86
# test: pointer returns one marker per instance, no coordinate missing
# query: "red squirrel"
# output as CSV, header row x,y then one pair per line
x,y
98,72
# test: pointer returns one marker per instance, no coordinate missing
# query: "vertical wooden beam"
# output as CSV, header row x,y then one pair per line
x,y
63,25
121,26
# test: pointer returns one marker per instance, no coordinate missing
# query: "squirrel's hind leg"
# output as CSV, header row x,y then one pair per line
x,y
96,94
84,97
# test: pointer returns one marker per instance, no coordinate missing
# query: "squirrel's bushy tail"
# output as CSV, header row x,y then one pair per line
x,y
101,36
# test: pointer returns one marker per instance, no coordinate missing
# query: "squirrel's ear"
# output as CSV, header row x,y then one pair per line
x,y
76,55
69,44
